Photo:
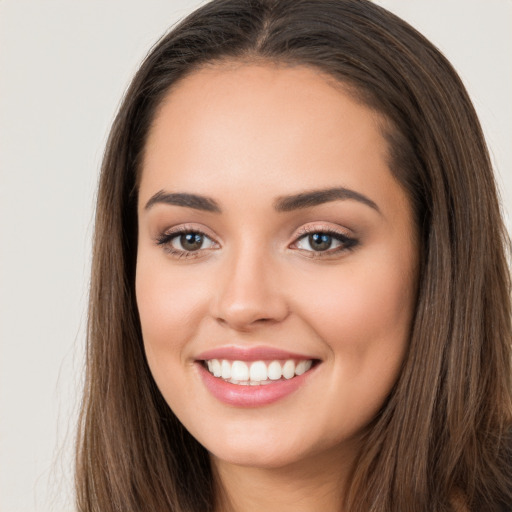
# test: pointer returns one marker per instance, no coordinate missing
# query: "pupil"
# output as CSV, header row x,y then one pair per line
x,y
320,241
191,241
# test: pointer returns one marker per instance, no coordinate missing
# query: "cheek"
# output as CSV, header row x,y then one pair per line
x,y
363,313
169,303
363,316
355,307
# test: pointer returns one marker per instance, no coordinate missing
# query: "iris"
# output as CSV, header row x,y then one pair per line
x,y
320,241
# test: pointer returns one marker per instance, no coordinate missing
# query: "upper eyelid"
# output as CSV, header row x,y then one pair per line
x,y
341,237
300,232
186,228
315,228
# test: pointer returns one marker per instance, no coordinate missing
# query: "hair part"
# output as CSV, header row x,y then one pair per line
x,y
443,436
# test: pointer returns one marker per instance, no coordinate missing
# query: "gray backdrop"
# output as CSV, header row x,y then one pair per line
x,y
64,65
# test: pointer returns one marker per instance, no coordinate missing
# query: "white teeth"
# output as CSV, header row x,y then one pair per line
x,y
226,369
217,372
289,370
303,367
239,371
274,370
257,373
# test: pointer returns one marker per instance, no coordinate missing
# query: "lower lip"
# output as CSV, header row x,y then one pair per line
x,y
251,396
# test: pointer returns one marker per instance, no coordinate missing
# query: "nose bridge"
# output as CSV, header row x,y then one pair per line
x,y
248,292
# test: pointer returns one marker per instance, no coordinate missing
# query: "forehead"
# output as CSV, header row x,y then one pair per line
x,y
263,127
239,94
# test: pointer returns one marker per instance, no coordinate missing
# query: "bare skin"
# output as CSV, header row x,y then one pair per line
x,y
243,138
297,487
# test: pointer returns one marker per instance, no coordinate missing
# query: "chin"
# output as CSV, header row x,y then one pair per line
x,y
257,458
254,450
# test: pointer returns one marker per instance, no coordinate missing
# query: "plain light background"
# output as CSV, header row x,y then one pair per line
x,y
64,65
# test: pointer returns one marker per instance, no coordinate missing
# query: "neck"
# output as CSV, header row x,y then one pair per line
x,y
317,483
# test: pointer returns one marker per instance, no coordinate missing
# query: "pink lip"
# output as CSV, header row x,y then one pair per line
x,y
249,354
251,396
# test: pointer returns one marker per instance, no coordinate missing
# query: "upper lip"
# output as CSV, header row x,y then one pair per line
x,y
257,353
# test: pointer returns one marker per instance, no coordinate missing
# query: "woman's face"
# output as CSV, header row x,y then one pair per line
x,y
275,247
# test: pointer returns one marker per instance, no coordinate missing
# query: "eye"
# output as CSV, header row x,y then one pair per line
x,y
191,241
185,243
320,242
317,242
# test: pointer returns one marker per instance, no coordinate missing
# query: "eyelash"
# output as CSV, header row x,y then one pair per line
x,y
165,240
346,243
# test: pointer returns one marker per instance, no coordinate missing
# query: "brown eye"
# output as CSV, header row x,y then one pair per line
x,y
320,241
185,243
328,242
191,241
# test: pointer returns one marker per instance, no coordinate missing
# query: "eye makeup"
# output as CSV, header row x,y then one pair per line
x,y
324,242
186,242
311,241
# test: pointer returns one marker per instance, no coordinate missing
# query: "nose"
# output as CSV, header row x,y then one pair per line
x,y
249,292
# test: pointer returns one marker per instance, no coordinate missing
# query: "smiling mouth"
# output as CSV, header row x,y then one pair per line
x,y
257,373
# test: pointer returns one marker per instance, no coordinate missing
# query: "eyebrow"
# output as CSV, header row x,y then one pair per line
x,y
302,200
195,201
316,197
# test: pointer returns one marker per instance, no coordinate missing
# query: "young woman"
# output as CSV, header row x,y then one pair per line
x,y
300,297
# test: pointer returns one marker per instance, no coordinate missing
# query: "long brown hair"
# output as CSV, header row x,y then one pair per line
x,y
443,435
